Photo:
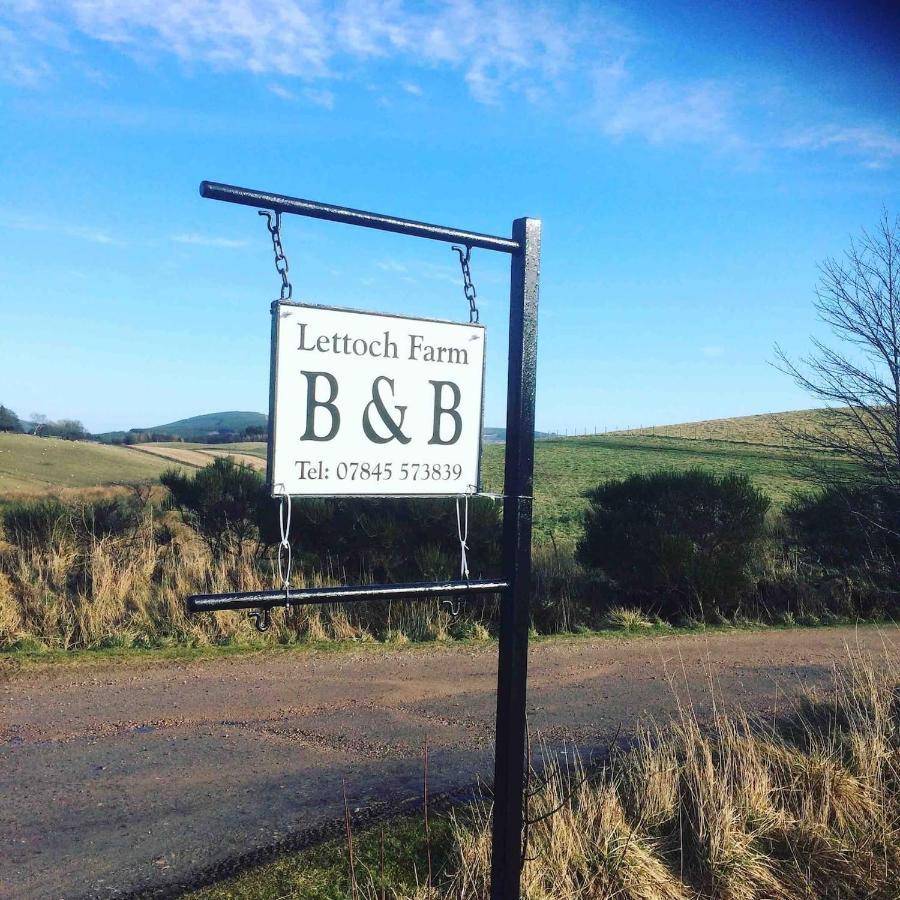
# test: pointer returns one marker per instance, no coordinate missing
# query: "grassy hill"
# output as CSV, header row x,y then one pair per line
x,y
196,427
199,426
767,429
564,467
33,465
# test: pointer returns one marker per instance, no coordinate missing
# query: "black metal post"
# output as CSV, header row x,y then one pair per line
x,y
509,759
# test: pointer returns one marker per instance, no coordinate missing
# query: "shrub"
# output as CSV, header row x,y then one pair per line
x,y
676,542
222,501
106,517
848,527
387,539
50,522
352,539
36,523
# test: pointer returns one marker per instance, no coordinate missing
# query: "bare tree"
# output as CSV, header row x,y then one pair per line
x,y
38,421
858,297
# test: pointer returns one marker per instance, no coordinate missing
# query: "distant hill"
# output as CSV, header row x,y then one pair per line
x,y
498,435
768,429
197,428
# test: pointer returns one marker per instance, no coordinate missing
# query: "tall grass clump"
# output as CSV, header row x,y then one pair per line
x,y
805,807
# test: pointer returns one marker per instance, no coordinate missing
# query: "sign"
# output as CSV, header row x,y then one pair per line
x,y
368,404
362,403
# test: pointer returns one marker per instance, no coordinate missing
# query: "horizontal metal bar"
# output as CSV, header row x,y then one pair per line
x,y
213,190
355,594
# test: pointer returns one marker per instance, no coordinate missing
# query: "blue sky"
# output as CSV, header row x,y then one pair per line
x,y
692,163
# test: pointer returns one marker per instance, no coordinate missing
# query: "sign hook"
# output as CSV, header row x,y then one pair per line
x,y
281,263
468,287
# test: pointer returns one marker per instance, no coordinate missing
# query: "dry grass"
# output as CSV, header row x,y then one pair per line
x,y
626,618
129,591
199,455
803,808
808,807
768,429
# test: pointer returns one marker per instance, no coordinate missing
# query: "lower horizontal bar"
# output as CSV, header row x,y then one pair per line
x,y
354,594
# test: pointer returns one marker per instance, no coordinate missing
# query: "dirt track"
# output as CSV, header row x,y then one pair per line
x,y
124,777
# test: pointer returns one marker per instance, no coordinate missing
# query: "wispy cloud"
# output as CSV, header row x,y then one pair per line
x,y
64,229
392,265
874,144
282,92
673,112
17,65
205,240
568,56
499,45
318,97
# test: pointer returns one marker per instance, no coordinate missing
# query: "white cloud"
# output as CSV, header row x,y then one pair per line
x,y
873,144
80,232
672,112
204,240
498,45
567,55
17,65
322,98
282,92
392,265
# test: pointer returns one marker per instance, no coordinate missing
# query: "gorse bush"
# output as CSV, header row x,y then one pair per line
x,y
848,527
389,540
81,573
38,523
49,521
229,507
223,502
675,542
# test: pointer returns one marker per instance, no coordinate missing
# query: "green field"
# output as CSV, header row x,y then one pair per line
x,y
37,465
564,467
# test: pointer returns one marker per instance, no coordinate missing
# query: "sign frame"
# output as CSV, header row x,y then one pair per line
x,y
514,588
471,490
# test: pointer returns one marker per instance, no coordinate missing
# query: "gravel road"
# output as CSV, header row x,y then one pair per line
x,y
120,777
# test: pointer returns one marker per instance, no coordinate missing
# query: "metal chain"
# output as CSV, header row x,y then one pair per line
x,y
468,287
281,263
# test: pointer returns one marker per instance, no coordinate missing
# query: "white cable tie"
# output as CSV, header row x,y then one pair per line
x,y
462,531
284,548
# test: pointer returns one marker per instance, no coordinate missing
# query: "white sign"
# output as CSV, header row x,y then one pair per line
x,y
372,404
